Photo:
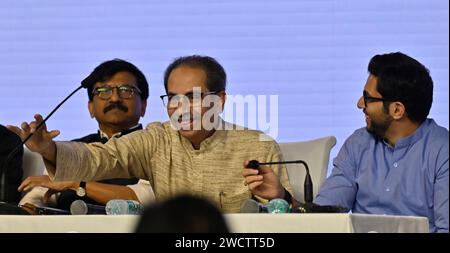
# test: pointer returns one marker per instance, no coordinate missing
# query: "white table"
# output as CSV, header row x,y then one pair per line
x,y
326,223
242,223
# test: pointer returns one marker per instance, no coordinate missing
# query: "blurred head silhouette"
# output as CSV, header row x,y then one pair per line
x,y
182,214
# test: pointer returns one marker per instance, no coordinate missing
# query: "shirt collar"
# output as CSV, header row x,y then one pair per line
x,y
124,132
414,137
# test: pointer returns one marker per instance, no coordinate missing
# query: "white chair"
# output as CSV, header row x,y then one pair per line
x,y
33,164
316,153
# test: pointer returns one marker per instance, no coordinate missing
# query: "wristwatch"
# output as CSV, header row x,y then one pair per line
x,y
81,190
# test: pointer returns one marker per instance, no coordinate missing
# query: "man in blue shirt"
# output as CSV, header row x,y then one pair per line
x,y
398,163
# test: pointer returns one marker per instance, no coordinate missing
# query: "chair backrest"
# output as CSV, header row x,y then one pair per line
x,y
33,164
316,153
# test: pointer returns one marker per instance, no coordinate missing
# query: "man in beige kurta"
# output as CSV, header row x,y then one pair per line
x,y
160,155
203,161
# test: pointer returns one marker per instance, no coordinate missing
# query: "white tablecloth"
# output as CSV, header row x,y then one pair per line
x,y
242,223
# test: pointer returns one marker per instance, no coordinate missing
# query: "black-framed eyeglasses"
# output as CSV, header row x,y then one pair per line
x,y
368,99
124,91
172,101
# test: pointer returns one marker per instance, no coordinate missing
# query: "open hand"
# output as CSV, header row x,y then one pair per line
x,y
41,139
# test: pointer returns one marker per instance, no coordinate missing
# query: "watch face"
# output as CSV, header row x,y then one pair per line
x,y
81,192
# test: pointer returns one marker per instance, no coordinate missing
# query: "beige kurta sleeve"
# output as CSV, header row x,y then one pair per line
x,y
128,156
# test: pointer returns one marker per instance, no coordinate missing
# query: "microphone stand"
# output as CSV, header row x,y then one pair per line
x,y
4,167
308,206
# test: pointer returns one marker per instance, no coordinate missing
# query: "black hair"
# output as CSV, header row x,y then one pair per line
x,y
216,78
182,214
404,79
108,69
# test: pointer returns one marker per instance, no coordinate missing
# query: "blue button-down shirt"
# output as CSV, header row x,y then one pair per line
x,y
370,176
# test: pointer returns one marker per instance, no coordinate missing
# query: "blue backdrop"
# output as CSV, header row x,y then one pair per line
x,y
312,54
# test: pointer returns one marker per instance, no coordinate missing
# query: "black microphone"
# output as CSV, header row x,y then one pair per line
x,y
314,208
49,210
79,207
3,186
6,208
308,185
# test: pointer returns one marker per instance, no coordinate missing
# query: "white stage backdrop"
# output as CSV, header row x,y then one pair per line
x,y
312,54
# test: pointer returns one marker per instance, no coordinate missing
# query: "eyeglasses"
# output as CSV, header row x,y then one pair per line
x,y
124,91
172,101
369,99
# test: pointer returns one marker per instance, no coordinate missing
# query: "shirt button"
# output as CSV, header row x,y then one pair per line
x,y
388,190
395,164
